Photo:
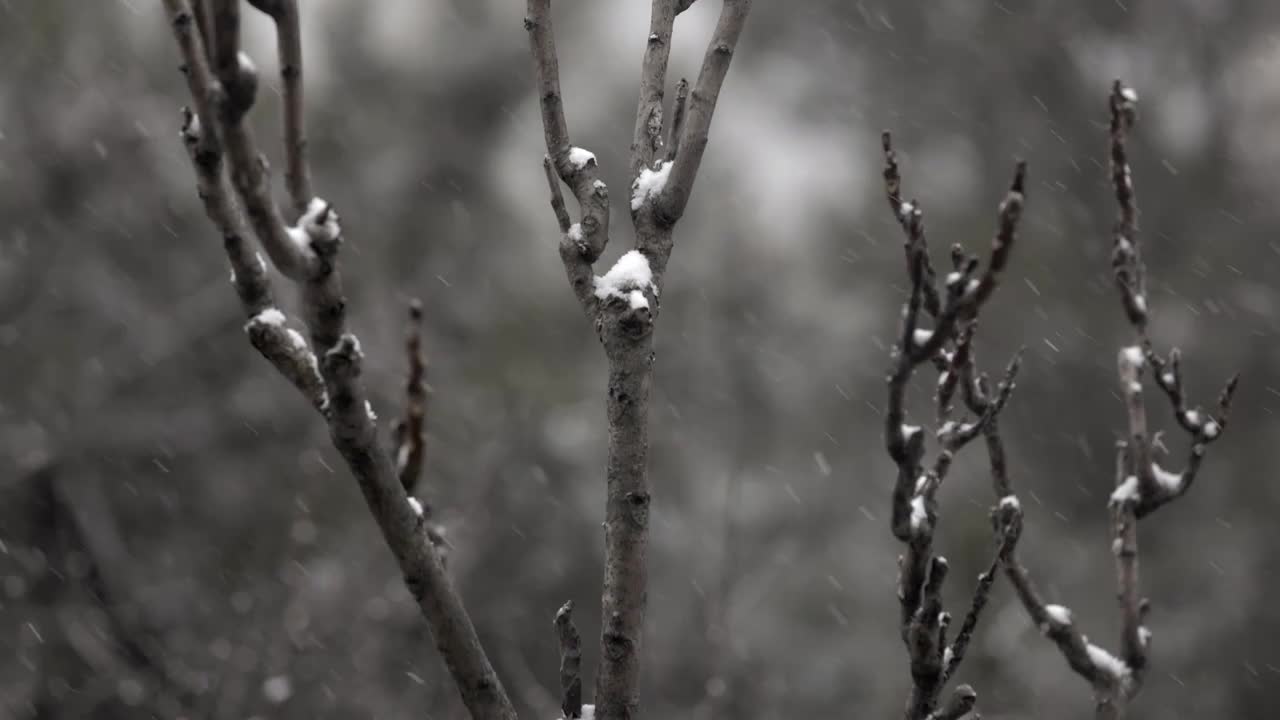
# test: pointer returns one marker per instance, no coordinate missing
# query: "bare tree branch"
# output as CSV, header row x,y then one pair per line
x,y
570,662
676,126
1141,484
702,105
307,253
410,433
647,142
297,175
914,512
623,303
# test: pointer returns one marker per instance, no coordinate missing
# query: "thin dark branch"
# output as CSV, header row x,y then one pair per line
x,y
577,167
914,513
411,432
647,140
676,125
307,253
297,174
570,662
701,107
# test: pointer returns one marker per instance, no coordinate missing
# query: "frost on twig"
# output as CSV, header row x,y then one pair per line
x,y
914,512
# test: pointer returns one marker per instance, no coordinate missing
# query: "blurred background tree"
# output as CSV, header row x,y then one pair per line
x,y
249,575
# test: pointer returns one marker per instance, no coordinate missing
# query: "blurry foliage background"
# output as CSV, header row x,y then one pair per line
x,y
237,551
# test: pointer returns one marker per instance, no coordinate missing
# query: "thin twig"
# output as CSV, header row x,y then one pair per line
x,y
411,431
914,513
307,253
701,107
570,662
297,174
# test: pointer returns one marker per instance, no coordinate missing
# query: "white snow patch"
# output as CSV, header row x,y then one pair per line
x,y
921,337
575,232
947,656
588,713
1193,418
1126,491
579,157
908,431
270,316
296,340
1211,429
649,183
416,506
637,300
368,408
1170,481
631,272
1059,614
1108,663
906,210
919,516
1167,379
953,278
1133,356
1129,94
1140,302
1010,501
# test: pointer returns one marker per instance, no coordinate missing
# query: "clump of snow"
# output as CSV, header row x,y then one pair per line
x,y
1167,379
906,210
368,409
947,656
1059,614
1140,302
1126,491
319,222
1193,418
416,506
1108,663
588,713
1211,429
953,278
921,337
919,516
575,232
1170,481
637,300
908,431
1133,356
270,316
579,157
649,183
1010,501
630,274
1129,94
296,340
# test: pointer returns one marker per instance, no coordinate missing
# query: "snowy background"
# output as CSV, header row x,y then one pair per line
x,y
149,457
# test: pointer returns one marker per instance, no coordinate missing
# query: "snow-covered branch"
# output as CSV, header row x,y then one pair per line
x,y
948,345
306,252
